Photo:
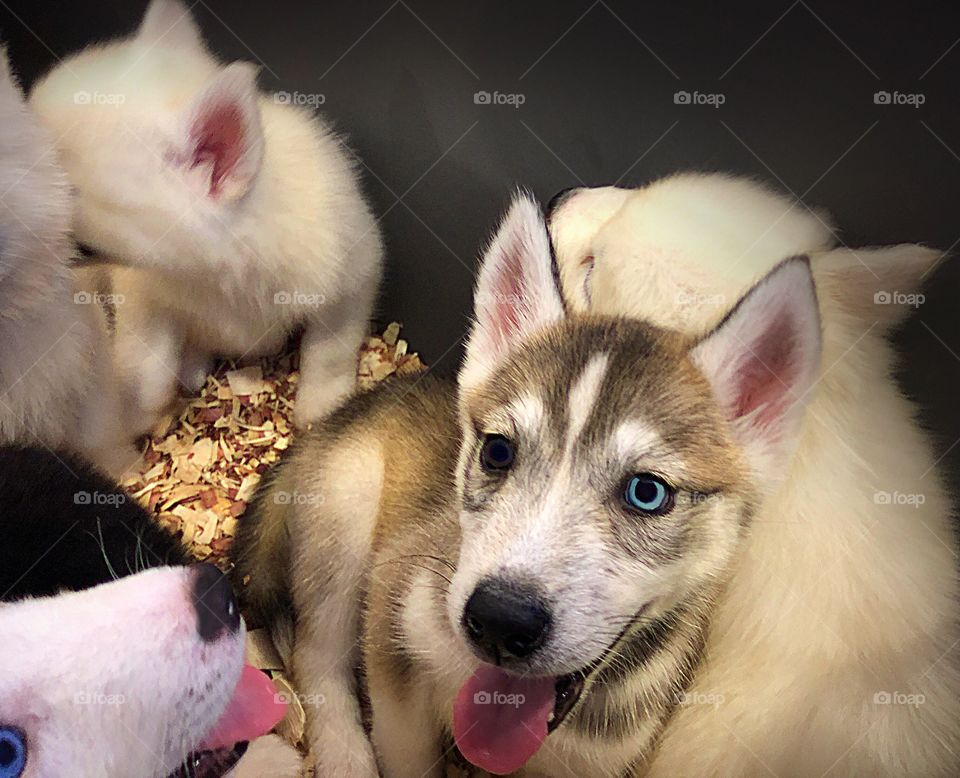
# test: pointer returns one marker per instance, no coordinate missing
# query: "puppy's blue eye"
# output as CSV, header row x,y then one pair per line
x,y
13,752
496,453
645,492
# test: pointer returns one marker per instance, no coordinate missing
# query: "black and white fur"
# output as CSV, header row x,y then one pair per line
x,y
102,667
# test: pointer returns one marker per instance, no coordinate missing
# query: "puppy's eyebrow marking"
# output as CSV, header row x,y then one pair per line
x,y
527,413
585,394
633,437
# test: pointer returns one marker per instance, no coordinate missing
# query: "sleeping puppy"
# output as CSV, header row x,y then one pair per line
x,y
141,676
57,385
238,217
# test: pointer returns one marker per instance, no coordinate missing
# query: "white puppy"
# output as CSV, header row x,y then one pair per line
x,y
239,217
834,647
57,384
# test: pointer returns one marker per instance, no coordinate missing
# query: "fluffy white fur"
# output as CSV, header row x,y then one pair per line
x,y
57,382
114,681
834,649
239,219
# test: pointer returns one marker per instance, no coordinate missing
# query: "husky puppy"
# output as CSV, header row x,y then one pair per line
x,y
238,216
57,383
835,646
124,678
532,557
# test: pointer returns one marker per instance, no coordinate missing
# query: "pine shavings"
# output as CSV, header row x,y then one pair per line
x,y
204,461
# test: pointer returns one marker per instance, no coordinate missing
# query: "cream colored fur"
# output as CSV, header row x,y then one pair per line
x,y
834,648
57,381
284,241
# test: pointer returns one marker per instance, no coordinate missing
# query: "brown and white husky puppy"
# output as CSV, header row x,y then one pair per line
x,y
527,561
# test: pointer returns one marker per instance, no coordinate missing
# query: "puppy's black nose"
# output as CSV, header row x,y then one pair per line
x,y
505,620
214,602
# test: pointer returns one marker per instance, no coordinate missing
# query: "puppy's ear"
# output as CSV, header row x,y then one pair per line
x,y
515,294
876,284
169,23
224,135
762,362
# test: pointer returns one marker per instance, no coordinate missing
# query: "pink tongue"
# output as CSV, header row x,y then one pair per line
x,y
254,710
500,720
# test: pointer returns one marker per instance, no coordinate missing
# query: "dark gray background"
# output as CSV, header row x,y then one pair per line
x,y
598,80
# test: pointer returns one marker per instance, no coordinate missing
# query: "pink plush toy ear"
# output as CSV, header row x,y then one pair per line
x,y
224,134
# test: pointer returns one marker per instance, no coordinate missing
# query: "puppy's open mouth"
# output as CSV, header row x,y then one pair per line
x,y
254,709
568,690
500,720
210,764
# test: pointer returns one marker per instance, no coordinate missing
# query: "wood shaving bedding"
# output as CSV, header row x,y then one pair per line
x,y
203,462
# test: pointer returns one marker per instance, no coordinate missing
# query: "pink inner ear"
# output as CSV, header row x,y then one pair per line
x,y
767,371
509,296
219,136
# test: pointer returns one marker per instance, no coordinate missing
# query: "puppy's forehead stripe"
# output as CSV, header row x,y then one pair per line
x,y
585,395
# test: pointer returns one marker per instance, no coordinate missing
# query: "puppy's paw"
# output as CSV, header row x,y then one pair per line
x,y
347,753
